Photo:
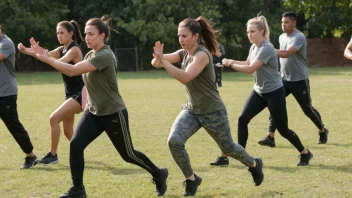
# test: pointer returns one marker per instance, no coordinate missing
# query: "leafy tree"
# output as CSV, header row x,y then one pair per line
x,y
325,18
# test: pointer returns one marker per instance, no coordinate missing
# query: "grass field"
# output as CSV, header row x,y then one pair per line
x,y
154,100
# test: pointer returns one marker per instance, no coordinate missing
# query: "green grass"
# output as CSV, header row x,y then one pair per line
x,y
154,100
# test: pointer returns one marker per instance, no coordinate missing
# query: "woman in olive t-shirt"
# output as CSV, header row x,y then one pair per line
x,y
204,107
105,110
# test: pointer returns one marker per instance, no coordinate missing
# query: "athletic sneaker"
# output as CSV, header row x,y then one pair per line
x,y
75,192
220,161
29,162
304,159
323,137
49,159
160,182
257,171
267,141
191,186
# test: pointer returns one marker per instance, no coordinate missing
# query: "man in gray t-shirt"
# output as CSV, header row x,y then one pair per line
x,y
294,73
348,50
8,99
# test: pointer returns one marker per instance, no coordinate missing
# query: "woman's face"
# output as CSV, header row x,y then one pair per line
x,y
63,36
93,38
186,39
253,33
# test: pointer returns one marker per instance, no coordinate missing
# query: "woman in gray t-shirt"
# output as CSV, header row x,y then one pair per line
x,y
268,89
204,107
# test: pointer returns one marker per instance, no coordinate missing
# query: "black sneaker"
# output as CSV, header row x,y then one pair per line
x,y
75,192
191,186
323,137
257,171
29,162
160,182
49,159
304,159
267,141
220,161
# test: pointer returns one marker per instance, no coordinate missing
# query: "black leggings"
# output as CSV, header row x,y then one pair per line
x,y
116,126
276,103
9,115
301,91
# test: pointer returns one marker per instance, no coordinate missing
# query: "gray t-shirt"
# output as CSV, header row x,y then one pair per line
x,y
8,84
295,67
267,77
103,94
202,94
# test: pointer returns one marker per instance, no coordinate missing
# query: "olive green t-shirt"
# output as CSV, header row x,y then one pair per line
x,y
103,94
202,94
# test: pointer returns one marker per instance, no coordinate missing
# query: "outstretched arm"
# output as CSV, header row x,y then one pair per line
x,y
68,69
199,62
245,66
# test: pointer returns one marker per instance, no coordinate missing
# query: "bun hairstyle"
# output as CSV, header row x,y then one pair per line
x,y
72,26
103,26
262,24
207,35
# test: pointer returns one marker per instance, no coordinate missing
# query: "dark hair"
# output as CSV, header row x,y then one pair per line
x,y
72,26
290,15
103,26
207,34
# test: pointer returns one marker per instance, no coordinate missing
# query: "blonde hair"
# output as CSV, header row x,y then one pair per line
x,y
262,24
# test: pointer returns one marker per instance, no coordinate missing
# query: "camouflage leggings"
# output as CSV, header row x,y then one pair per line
x,y
217,126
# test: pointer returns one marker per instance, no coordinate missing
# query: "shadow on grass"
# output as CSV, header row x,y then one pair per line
x,y
343,168
116,170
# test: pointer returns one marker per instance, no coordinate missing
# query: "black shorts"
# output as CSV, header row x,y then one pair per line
x,y
76,96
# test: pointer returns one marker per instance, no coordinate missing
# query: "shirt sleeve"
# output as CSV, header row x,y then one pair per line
x,y
298,42
101,60
264,54
181,53
6,48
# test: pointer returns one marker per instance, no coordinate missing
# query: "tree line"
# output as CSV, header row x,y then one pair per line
x,y
139,23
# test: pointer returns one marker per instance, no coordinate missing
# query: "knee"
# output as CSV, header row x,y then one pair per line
x,y
243,120
75,146
175,142
127,158
54,119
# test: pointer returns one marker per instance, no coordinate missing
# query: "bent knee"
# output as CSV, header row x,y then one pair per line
x,y
175,141
242,119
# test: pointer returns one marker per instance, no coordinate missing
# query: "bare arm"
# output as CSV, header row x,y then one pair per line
x,y
348,51
171,58
29,51
1,57
247,62
68,69
74,54
286,53
199,62
249,69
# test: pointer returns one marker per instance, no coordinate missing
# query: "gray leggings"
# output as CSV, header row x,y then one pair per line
x,y
217,126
